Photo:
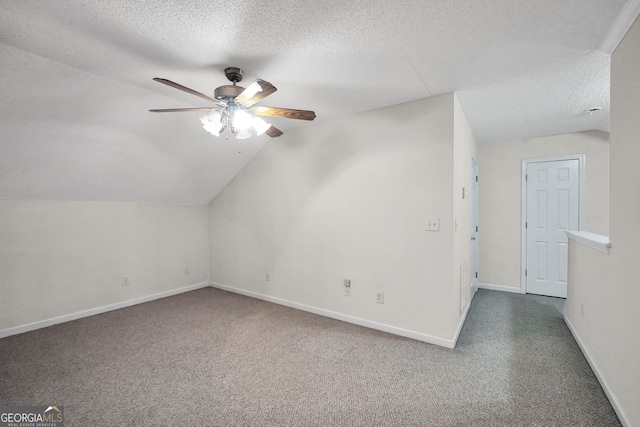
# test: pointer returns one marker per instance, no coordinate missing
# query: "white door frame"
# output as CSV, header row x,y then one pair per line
x,y
523,209
474,214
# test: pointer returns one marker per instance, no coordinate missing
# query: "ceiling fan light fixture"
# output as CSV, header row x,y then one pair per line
x,y
243,134
234,107
241,119
212,123
212,117
213,130
260,125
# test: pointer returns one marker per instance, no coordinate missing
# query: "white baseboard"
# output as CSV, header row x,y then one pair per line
x,y
443,342
98,310
596,371
461,324
500,288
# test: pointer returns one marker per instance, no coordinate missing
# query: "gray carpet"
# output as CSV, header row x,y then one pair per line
x,y
213,358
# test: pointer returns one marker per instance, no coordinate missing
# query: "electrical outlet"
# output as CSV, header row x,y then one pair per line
x,y
347,287
125,280
380,297
267,276
186,270
433,224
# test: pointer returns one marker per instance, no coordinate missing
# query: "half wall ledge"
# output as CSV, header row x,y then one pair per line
x,y
596,241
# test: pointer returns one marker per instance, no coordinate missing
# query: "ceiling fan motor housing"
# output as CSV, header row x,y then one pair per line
x,y
227,92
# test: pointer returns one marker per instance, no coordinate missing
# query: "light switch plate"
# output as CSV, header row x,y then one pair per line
x,y
433,224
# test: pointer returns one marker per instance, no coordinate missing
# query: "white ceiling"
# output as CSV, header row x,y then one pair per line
x,y
77,79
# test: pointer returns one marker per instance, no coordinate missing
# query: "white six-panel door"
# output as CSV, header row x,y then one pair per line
x,y
552,207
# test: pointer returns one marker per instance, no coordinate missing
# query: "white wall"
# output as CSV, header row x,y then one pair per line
x,y
348,198
604,290
60,258
500,171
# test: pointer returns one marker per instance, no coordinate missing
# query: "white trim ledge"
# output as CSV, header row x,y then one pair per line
x,y
596,241
621,25
500,288
612,398
418,336
98,310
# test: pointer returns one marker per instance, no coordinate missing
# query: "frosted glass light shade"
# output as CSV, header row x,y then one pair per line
x,y
260,125
243,134
212,122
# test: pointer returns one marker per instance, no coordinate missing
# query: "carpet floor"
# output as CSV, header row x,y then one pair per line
x,y
214,358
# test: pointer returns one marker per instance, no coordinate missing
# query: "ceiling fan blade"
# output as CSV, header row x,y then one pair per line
x,y
273,132
185,89
255,92
283,112
175,110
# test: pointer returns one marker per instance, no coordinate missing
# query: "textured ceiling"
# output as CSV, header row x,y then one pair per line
x,y
77,82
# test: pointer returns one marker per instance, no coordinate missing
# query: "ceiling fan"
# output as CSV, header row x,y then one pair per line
x,y
234,107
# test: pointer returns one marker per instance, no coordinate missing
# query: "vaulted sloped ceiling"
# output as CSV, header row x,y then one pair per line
x,y
77,79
